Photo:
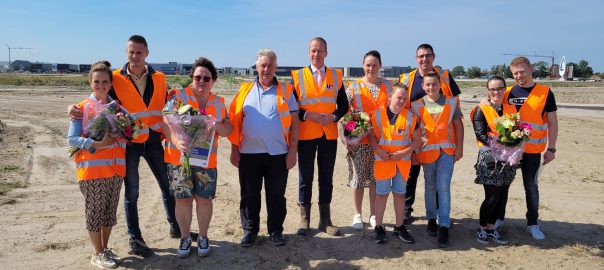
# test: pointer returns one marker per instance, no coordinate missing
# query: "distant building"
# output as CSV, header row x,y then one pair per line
x,y
350,72
85,68
282,71
394,72
171,68
20,65
185,69
40,68
68,68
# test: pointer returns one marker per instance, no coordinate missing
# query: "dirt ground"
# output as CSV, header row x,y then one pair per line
x,y
43,227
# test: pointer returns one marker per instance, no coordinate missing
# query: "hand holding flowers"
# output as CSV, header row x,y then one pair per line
x,y
508,146
355,126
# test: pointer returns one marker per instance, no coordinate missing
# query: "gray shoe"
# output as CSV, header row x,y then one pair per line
x,y
203,246
102,260
116,258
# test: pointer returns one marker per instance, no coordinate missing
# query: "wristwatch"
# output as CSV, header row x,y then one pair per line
x,y
553,150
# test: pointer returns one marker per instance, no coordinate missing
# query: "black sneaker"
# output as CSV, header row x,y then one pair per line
x,y
402,233
432,227
174,232
380,234
248,239
443,237
481,236
140,248
277,238
494,236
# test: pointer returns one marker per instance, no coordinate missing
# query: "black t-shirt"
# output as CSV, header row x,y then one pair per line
x,y
392,118
417,92
518,96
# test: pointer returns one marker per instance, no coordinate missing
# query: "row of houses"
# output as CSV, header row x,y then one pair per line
x,y
174,68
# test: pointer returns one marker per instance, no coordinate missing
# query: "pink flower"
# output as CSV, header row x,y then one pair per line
x,y
203,112
350,125
525,126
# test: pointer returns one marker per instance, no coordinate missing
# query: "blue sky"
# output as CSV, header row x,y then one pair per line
x,y
230,33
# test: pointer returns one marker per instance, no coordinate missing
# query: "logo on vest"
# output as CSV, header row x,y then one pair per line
x,y
329,86
400,131
516,101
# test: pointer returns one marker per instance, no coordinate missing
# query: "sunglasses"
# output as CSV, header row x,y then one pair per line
x,y
498,89
205,78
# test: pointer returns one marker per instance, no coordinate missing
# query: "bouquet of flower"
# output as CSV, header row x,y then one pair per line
x,y
355,126
110,118
190,125
508,146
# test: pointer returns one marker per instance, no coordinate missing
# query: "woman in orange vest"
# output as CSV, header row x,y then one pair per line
x,y
100,170
395,136
442,131
365,95
201,186
489,173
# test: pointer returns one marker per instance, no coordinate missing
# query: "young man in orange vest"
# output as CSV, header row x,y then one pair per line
x,y
322,98
142,91
424,56
537,106
264,141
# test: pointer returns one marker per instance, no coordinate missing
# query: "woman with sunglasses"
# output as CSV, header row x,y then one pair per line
x,y
201,187
495,179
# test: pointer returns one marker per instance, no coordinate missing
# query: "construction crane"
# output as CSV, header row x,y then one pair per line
x,y
15,48
551,57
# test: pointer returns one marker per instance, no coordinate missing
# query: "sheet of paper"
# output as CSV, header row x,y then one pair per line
x,y
200,156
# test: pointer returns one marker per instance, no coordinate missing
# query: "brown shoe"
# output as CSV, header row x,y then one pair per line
x,y
325,220
304,226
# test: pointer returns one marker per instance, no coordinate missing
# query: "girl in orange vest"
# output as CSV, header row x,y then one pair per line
x,y
201,186
395,136
365,95
495,178
100,169
442,131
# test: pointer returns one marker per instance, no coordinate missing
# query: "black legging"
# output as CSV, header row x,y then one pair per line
x,y
493,206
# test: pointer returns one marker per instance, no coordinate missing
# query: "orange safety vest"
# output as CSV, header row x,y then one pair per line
x,y
393,138
408,78
319,99
530,112
489,114
437,135
150,117
106,161
214,107
236,110
363,99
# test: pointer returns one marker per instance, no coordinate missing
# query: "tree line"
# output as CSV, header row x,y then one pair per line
x,y
541,69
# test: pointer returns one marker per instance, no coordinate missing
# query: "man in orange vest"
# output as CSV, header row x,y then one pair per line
x,y
537,106
264,141
142,91
424,56
321,94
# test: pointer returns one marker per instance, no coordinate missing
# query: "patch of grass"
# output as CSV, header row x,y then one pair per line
x,y
10,168
8,201
45,80
52,246
5,187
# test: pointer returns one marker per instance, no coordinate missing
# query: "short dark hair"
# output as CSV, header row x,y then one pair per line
x,y
101,66
425,46
138,39
432,74
496,78
206,63
319,39
375,54
399,85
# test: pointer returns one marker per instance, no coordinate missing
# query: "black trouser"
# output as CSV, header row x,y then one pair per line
x,y
493,206
253,168
530,165
411,186
153,152
326,160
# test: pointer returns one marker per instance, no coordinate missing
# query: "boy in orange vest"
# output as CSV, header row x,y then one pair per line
x,y
393,140
442,131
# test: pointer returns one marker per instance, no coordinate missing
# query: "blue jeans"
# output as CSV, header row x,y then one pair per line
x,y
153,153
438,179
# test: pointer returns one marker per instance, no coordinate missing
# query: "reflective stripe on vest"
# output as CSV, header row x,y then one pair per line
x,y
392,138
431,149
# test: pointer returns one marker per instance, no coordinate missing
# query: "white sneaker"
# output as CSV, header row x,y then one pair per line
x,y
535,232
372,221
203,246
184,249
357,222
102,260
498,224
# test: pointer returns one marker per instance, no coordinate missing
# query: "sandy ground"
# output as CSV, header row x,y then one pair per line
x,y
42,226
